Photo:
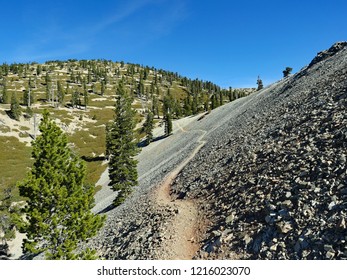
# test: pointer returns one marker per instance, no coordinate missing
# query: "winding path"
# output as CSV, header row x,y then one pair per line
x,y
182,241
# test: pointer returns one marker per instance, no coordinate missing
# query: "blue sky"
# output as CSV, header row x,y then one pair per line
x,y
227,42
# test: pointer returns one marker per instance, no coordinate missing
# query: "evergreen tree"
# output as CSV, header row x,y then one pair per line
x,y
121,147
168,102
86,99
26,98
85,94
15,108
221,100
61,92
168,123
9,217
148,127
287,71
155,106
187,106
195,104
4,98
102,88
230,94
259,83
58,206
75,99
48,81
38,70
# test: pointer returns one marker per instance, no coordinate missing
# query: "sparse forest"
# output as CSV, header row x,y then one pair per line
x,y
82,98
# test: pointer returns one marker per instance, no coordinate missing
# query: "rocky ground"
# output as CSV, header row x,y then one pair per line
x,y
272,181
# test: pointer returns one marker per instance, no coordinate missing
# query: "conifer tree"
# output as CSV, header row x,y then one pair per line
x,y
221,100
148,127
168,123
4,98
187,106
287,71
155,106
48,81
259,83
9,216
230,94
58,206
15,108
121,147
27,100
85,94
102,91
60,92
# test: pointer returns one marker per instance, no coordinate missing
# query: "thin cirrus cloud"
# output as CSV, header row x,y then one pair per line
x,y
83,38
122,13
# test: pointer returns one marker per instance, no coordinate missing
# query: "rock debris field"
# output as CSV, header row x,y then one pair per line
x,y
263,177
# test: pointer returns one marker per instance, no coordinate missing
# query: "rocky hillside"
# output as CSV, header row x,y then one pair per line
x,y
266,173
272,179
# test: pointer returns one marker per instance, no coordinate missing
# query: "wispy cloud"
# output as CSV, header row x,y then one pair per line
x,y
122,13
57,40
170,18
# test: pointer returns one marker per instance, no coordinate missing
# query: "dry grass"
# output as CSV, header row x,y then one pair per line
x,y
15,162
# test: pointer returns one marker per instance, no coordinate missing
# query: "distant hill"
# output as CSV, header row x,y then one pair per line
x,y
80,94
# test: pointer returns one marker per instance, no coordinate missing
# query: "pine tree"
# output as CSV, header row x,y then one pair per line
x,y
195,104
4,98
259,83
85,94
58,206
148,127
230,94
9,217
48,81
187,106
15,111
221,100
60,92
287,71
122,148
102,88
168,123
75,99
27,100
86,99
155,106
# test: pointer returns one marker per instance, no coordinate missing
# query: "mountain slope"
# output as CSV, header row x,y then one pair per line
x,y
272,179
268,177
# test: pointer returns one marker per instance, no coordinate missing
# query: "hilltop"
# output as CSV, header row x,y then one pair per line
x,y
80,95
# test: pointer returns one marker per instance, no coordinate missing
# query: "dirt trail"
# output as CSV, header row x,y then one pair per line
x,y
182,240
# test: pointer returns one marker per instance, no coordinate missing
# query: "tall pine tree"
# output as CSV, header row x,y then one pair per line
x,y
58,206
121,147
4,98
168,123
15,110
148,127
260,84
